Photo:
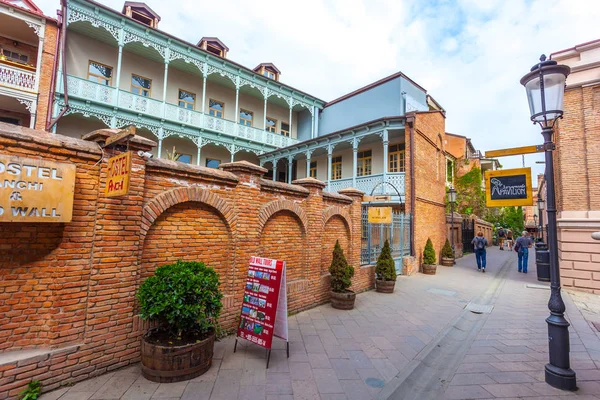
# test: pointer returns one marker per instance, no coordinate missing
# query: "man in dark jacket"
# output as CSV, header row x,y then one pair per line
x,y
501,237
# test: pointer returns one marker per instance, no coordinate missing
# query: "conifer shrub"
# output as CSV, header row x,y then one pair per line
x,y
429,253
386,267
447,250
341,272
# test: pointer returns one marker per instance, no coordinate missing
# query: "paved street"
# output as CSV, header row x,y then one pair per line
x,y
422,342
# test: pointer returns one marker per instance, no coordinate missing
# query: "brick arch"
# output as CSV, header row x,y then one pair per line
x,y
332,211
269,209
166,200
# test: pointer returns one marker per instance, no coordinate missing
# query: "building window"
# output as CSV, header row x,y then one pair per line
x,y
397,158
214,50
141,86
246,117
212,163
9,120
285,129
15,56
268,74
336,168
216,108
364,163
449,171
185,158
144,19
187,99
271,125
100,73
313,169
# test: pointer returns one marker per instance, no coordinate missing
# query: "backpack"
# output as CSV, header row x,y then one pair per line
x,y
517,247
480,243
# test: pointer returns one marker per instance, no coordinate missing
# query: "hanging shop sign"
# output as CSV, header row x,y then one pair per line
x,y
35,190
117,178
264,309
510,187
380,215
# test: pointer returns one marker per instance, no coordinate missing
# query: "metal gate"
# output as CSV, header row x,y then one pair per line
x,y
468,233
374,236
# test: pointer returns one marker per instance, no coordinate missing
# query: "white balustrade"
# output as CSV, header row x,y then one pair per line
x,y
140,104
16,78
339,184
88,90
367,183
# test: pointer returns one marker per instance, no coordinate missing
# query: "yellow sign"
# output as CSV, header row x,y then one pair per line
x,y
509,187
117,178
514,151
35,190
380,215
377,198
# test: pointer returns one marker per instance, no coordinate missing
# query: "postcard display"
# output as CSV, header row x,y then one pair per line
x,y
264,310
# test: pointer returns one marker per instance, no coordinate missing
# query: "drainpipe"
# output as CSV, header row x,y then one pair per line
x,y
410,121
61,51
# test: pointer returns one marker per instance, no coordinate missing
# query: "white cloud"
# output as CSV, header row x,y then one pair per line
x,y
469,54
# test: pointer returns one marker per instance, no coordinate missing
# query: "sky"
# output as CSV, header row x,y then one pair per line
x,y
468,54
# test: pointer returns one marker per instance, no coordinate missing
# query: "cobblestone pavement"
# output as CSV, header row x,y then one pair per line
x,y
419,342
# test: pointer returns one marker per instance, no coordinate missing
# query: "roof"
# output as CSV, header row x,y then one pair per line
x,y
434,101
213,39
454,134
270,65
372,85
576,47
136,4
31,8
100,5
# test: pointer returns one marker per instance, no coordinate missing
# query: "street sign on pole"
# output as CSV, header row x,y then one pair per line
x,y
509,187
515,151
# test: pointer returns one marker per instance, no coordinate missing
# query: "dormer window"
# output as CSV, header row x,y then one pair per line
x,y
214,46
268,70
141,13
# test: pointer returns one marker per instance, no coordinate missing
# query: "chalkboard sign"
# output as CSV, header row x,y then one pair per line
x,y
509,188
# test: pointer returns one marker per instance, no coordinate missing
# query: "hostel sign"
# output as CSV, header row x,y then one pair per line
x,y
117,178
511,187
35,190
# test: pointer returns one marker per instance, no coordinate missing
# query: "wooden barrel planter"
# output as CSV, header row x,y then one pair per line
x,y
447,262
385,286
343,301
166,364
429,269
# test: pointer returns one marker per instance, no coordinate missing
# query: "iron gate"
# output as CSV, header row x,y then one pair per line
x,y
468,233
374,236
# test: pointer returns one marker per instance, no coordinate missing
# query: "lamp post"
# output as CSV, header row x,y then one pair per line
x,y
452,201
541,206
536,225
545,87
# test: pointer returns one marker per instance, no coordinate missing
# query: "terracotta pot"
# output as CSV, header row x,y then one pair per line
x,y
447,261
166,364
385,286
343,301
429,269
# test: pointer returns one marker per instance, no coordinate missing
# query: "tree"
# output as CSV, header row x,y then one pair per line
x,y
386,267
507,217
470,197
341,272
429,253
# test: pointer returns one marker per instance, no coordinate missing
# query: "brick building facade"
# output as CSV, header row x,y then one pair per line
x,y
577,169
67,289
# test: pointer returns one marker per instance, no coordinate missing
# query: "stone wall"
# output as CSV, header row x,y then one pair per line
x,y
67,290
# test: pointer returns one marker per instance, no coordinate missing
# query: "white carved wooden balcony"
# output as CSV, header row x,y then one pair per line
x,y
14,77
368,183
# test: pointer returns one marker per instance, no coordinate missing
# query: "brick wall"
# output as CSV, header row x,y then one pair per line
x,y
70,296
47,66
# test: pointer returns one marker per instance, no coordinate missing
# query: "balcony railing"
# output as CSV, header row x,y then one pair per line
x,y
107,95
16,78
368,183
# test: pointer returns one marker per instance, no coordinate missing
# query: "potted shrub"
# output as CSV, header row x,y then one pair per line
x,y
185,300
429,266
385,270
447,255
341,279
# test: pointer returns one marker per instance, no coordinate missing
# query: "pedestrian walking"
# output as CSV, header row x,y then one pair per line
x,y
501,236
509,239
522,246
479,244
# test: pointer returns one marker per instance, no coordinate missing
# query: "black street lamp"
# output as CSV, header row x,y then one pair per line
x,y
452,201
545,86
541,206
536,225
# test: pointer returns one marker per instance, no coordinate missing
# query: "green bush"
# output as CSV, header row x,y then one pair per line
x,y
341,272
386,267
447,250
429,253
184,297
32,391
